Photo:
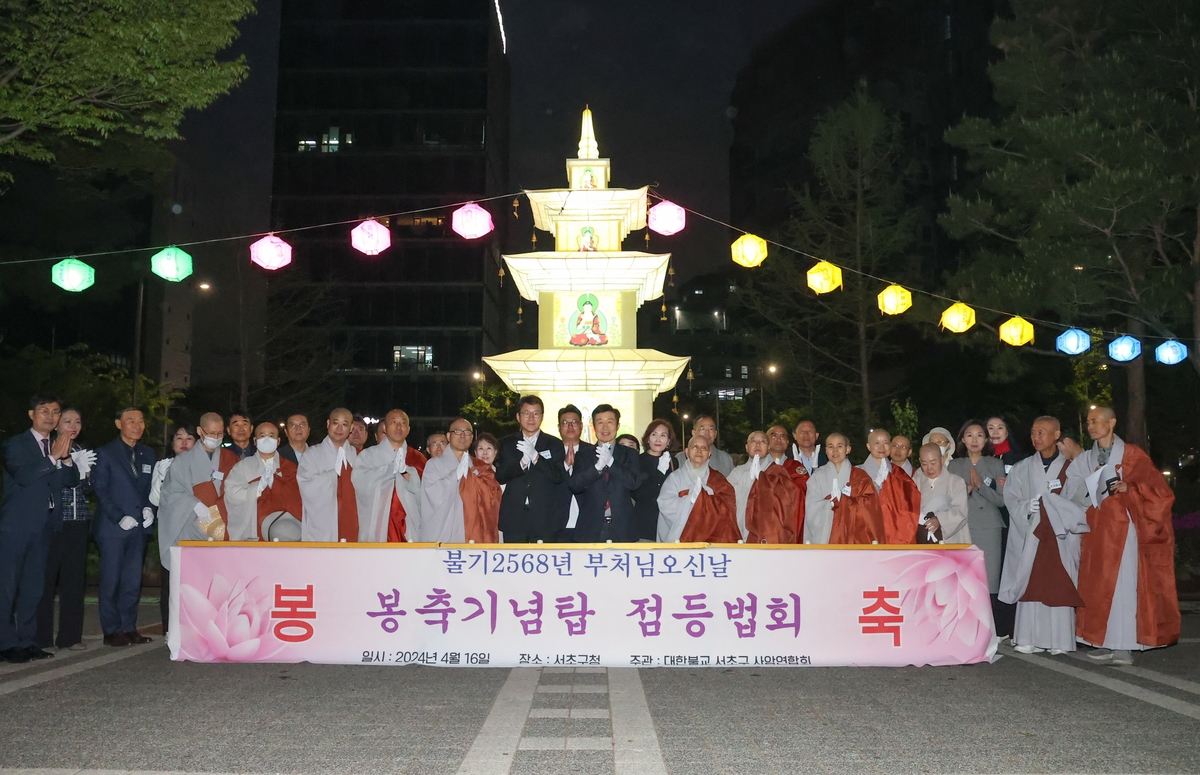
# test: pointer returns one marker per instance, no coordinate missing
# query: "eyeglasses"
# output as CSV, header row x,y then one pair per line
x,y
570,423
461,433
529,414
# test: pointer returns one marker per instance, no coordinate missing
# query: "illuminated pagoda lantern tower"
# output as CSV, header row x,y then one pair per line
x,y
588,290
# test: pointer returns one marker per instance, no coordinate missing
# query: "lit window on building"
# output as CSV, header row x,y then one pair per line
x,y
306,145
728,372
333,140
412,358
745,372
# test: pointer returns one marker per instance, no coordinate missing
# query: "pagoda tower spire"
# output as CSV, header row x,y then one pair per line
x,y
588,147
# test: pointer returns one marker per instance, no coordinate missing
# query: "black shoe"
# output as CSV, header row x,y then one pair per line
x,y
36,653
15,655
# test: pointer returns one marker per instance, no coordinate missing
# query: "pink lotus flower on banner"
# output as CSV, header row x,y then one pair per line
x,y
232,623
944,596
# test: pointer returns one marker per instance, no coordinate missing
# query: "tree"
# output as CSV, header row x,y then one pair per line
x,y
492,408
858,219
1086,206
84,70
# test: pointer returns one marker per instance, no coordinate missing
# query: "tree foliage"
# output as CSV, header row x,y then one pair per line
x,y
1085,210
856,217
492,408
83,70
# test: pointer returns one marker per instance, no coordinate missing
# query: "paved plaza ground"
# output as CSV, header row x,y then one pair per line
x,y
133,710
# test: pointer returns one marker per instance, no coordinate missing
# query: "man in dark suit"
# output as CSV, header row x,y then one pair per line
x,y
297,438
36,470
603,478
121,481
530,463
570,426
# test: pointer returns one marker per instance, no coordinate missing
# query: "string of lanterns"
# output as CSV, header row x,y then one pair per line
x,y
471,222
750,251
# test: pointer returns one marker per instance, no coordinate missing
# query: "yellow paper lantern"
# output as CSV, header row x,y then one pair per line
x,y
824,277
1016,331
893,300
958,317
749,250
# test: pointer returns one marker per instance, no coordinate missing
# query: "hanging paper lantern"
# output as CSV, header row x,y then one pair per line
x,y
667,218
73,275
371,237
471,221
749,250
1171,352
1073,341
271,253
894,300
1124,348
824,277
958,317
171,264
1016,331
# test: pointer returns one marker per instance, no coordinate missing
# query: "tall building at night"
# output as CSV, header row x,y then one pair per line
x,y
382,108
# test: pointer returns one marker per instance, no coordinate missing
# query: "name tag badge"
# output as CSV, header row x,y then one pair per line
x,y
146,469
1055,485
218,476
987,481
846,490
545,453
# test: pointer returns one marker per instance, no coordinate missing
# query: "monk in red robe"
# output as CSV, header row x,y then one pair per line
x,y
697,502
387,483
899,498
842,506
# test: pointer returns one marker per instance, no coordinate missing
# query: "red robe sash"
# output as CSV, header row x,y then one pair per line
x,y
713,518
480,493
347,507
771,508
282,495
1148,501
397,531
799,476
900,503
857,518
209,494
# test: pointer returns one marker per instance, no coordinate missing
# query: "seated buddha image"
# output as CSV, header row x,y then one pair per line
x,y
589,327
588,180
587,239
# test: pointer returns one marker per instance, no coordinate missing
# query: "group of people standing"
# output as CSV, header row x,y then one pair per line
x,y
1088,555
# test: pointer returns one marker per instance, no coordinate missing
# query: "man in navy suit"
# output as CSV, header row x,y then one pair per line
x,y
121,481
603,480
36,469
530,463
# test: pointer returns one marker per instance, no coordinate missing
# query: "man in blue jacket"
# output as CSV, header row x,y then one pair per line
x,y
121,481
36,469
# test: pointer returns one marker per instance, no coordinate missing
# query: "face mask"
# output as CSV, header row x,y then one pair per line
x,y
267,445
943,449
210,443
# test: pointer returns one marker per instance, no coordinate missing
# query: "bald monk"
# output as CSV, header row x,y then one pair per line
x,y
326,487
387,484
193,497
766,497
778,441
901,452
943,500
899,498
1127,560
697,502
261,493
841,506
460,497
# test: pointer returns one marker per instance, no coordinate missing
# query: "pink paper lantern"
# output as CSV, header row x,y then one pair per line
x,y
371,237
471,221
271,253
667,218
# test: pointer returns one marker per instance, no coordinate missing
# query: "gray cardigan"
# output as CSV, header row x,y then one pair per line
x,y
983,503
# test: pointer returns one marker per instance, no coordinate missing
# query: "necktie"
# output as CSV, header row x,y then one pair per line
x,y
133,461
46,447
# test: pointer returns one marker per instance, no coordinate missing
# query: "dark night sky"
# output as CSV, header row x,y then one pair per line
x,y
657,76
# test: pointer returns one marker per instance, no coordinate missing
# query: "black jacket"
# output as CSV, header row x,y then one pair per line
x,y
645,497
613,486
529,501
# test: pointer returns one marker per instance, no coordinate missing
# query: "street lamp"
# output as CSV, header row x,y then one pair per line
x,y
762,393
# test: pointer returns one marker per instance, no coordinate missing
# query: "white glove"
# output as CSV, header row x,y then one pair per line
x,y
201,512
664,462
84,459
1034,504
756,468
400,467
147,517
528,450
128,523
604,456
464,466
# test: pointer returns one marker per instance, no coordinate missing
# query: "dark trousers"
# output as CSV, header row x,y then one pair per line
x,y
521,537
120,579
22,579
164,599
66,574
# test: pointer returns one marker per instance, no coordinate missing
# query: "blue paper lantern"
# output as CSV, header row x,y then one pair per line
x,y
1171,352
1073,341
1124,348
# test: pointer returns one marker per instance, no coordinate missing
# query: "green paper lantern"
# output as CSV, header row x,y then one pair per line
x,y
171,264
73,275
